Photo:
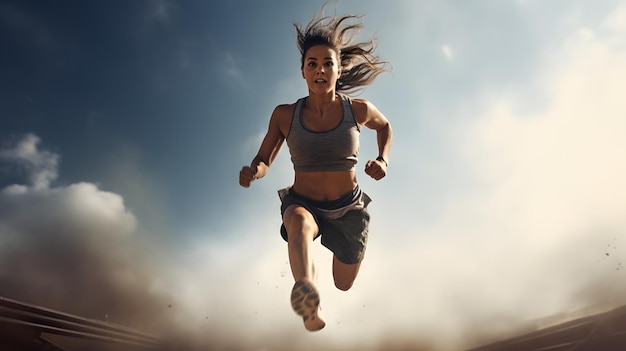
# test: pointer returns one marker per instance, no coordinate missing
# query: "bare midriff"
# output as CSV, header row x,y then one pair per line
x,y
324,186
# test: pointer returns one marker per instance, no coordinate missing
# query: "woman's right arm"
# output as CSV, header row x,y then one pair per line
x,y
269,147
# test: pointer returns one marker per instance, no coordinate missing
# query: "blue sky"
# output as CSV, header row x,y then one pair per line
x,y
126,123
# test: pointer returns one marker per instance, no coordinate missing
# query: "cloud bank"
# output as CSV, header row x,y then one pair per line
x,y
75,248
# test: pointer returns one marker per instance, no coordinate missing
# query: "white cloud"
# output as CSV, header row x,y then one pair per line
x,y
230,66
447,52
78,208
40,165
75,248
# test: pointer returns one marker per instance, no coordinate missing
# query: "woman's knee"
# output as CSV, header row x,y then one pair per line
x,y
343,283
299,221
344,274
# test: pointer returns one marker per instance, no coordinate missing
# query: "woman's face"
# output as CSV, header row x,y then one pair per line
x,y
321,69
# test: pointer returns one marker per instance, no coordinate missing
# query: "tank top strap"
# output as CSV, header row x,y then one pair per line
x,y
348,114
297,111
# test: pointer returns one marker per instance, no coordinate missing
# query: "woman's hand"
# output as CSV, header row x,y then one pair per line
x,y
246,176
376,169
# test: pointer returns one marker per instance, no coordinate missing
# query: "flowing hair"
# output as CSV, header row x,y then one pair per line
x,y
359,65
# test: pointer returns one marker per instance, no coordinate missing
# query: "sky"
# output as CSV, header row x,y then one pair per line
x,y
124,124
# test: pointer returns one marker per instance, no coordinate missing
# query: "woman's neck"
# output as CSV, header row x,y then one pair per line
x,y
320,102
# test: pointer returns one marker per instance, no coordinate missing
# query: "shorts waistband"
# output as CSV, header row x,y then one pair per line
x,y
342,201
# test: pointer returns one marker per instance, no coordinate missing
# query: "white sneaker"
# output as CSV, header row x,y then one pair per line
x,y
305,301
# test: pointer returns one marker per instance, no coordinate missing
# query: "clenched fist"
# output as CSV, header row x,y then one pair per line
x,y
246,176
376,169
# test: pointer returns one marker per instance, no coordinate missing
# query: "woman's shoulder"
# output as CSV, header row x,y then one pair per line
x,y
283,113
361,106
284,109
287,106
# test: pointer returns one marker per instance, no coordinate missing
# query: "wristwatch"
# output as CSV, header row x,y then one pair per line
x,y
382,159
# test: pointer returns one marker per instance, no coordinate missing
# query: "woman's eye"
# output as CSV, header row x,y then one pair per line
x,y
329,63
311,64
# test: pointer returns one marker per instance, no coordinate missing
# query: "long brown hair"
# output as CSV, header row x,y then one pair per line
x,y
360,66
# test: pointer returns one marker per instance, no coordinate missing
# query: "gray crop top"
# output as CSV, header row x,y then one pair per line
x,y
333,150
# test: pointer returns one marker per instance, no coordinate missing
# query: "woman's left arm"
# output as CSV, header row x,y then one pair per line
x,y
367,114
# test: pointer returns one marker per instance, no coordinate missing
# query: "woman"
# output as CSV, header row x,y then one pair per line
x,y
322,133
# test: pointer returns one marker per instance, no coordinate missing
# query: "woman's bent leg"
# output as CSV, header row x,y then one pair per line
x,y
344,274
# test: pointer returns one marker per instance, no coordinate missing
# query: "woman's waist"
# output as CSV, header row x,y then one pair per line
x,y
324,186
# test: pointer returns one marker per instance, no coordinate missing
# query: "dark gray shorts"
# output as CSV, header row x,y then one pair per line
x,y
343,223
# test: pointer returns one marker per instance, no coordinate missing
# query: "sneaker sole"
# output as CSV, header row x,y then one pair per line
x,y
305,301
